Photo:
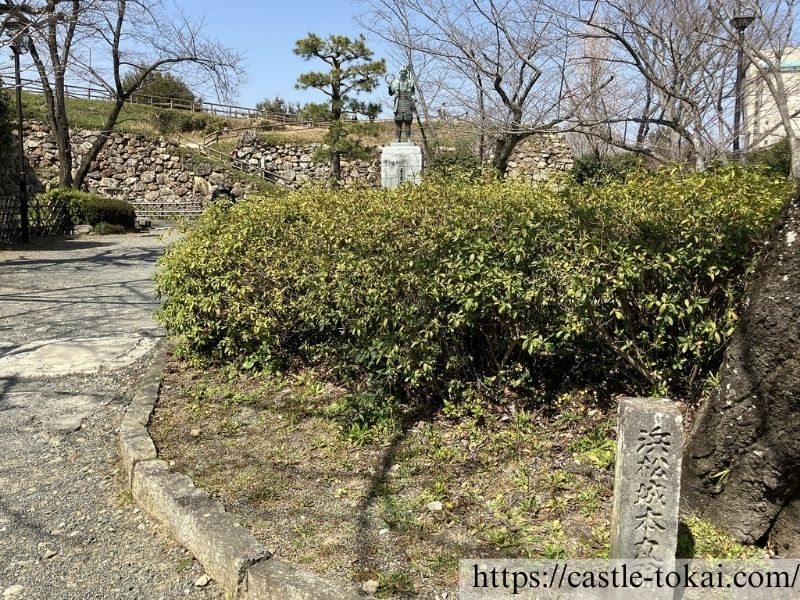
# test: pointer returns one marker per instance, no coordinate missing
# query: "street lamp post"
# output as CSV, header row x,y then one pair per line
x,y
18,47
739,23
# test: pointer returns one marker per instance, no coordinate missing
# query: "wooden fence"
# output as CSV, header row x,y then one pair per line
x,y
210,108
9,219
45,217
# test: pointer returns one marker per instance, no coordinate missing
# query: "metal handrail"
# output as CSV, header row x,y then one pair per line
x,y
265,174
214,136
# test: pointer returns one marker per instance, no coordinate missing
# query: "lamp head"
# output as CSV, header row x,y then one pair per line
x,y
742,22
21,42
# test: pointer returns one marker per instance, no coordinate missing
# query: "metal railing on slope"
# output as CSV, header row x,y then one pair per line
x,y
238,164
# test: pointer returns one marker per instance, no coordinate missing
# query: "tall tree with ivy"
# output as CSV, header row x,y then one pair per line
x,y
352,72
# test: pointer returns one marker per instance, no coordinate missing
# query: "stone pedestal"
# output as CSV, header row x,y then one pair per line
x,y
647,481
400,162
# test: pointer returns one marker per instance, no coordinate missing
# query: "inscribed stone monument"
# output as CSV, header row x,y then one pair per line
x,y
647,481
400,162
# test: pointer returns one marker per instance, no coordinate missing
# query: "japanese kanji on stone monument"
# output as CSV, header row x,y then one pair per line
x,y
647,482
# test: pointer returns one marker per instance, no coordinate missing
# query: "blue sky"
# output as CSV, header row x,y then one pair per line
x,y
266,31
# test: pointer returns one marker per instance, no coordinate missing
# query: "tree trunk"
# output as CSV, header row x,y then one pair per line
x,y
742,460
503,150
336,167
794,149
98,145
425,130
482,113
784,537
61,133
335,133
426,145
64,150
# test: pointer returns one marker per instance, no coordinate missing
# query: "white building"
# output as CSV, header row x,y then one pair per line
x,y
763,124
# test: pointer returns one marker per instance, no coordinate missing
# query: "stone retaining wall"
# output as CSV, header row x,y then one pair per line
x,y
540,157
130,166
9,169
141,169
296,163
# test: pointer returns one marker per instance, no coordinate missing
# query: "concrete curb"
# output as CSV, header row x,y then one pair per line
x,y
229,553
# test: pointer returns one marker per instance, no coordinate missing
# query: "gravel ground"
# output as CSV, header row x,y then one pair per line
x,y
68,528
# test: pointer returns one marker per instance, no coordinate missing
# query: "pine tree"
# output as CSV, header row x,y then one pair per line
x,y
352,71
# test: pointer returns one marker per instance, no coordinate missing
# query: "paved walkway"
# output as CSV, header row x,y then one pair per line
x,y
75,328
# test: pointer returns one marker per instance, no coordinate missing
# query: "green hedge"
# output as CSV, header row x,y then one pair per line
x,y
168,121
776,158
104,228
454,287
593,168
97,209
461,161
93,209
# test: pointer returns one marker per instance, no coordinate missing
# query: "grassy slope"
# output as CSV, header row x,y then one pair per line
x,y
449,135
92,114
141,118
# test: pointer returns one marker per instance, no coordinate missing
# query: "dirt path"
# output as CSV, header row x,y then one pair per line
x,y
75,327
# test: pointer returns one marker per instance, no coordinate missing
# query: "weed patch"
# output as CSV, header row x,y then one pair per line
x,y
403,504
